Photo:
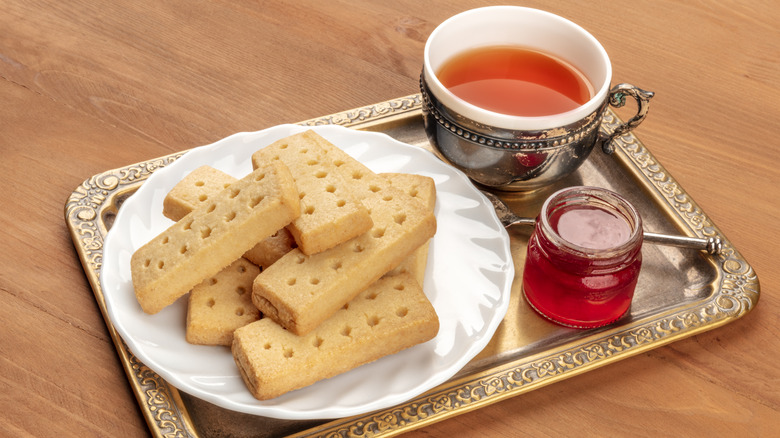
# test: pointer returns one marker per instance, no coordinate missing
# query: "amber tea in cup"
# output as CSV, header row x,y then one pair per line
x,y
516,81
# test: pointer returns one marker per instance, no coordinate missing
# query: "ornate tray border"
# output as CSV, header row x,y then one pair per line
x,y
90,209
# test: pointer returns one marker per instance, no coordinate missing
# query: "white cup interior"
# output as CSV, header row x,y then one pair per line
x,y
525,27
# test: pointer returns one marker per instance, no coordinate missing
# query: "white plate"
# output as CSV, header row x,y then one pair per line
x,y
468,280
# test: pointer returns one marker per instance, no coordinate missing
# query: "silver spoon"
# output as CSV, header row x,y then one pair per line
x,y
711,245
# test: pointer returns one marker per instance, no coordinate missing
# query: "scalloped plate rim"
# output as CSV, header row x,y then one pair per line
x,y
450,182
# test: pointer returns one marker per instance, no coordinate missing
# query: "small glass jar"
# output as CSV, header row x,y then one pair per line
x,y
584,257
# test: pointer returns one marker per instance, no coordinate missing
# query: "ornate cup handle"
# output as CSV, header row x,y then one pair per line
x,y
617,98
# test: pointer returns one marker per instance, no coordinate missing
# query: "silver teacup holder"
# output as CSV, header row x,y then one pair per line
x,y
522,160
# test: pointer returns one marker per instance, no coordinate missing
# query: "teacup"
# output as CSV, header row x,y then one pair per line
x,y
517,152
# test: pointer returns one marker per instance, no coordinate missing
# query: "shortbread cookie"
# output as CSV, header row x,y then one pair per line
x,y
357,175
420,187
193,190
271,249
197,188
213,236
330,214
393,314
300,291
221,304
423,189
361,176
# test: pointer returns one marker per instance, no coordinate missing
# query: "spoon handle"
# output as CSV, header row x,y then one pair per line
x,y
712,245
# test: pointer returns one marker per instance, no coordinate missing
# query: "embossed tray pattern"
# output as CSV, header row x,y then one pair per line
x,y
700,293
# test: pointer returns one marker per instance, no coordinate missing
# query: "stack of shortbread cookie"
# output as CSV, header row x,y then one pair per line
x,y
308,267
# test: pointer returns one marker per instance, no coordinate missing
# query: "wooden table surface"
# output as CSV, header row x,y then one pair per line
x,y
90,86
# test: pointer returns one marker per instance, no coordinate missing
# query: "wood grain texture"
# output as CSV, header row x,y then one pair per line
x,y
89,86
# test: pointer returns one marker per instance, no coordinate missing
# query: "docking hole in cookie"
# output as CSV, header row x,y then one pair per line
x,y
256,200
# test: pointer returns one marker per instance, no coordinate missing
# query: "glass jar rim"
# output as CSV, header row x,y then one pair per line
x,y
605,199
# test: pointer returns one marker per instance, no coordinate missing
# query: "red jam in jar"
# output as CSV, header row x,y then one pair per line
x,y
583,257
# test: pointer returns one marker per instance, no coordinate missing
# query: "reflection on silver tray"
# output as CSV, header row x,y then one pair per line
x,y
680,293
